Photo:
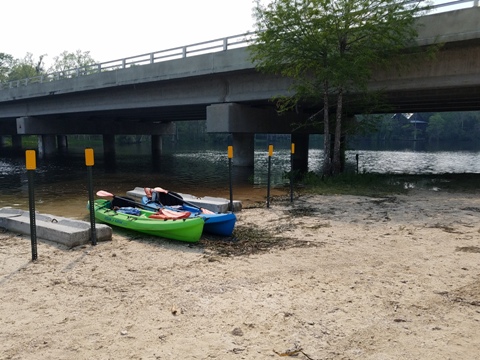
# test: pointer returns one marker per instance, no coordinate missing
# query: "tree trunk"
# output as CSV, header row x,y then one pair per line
x,y
327,164
337,163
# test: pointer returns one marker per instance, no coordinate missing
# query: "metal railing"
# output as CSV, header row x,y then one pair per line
x,y
210,46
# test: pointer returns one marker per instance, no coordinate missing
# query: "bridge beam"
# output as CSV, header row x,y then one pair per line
x,y
237,118
29,125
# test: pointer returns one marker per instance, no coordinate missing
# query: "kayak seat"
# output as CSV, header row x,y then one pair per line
x,y
169,199
117,202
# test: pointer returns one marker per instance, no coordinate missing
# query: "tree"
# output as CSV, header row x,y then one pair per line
x,y
26,68
328,48
6,63
436,127
72,61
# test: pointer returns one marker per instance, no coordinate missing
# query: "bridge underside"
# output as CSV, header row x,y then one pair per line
x,y
450,82
46,126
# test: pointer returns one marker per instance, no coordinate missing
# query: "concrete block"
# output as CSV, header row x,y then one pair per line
x,y
215,204
65,231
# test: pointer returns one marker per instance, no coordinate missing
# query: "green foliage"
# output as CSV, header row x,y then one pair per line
x,y
28,67
6,63
381,185
130,139
459,126
436,126
447,126
30,140
196,132
191,131
354,184
73,60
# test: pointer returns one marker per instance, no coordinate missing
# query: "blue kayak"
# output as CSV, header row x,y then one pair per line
x,y
215,223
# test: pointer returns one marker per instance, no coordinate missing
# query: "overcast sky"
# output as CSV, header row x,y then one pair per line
x,y
116,29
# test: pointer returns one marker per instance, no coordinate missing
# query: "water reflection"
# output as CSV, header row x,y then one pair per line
x,y
411,162
61,181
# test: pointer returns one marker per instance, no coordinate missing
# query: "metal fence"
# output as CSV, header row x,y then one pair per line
x,y
210,46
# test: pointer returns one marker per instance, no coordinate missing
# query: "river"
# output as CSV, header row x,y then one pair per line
x,y
61,181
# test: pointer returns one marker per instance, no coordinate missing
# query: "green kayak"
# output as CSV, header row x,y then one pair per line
x,y
189,229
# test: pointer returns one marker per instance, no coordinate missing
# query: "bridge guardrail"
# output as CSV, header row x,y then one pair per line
x,y
205,47
210,46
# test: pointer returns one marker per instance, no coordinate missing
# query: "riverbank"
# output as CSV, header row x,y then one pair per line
x,y
331,277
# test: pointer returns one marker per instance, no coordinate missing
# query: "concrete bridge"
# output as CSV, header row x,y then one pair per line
x,y
223,88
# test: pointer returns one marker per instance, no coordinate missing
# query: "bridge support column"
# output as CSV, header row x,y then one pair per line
x,y
243,149
157,145
300,157
17,142
109,145
109,151
46,145
62,142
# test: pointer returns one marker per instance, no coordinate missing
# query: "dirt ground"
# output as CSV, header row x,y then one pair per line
x,y
327,277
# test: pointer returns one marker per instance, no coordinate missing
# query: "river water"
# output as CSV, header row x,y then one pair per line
x,y
61,181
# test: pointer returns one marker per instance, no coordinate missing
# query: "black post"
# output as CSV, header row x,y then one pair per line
x,y
31,166
270,152
89,161
291,171
230,156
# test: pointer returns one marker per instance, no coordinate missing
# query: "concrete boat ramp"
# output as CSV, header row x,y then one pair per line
x,y
67,232
215,204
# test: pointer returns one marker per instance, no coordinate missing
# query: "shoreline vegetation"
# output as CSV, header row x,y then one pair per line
x,y
384,184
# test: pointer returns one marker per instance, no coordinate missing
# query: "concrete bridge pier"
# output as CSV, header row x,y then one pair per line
x,y
243,149
157,145
46,145
244,121
109,145
62,143
17,142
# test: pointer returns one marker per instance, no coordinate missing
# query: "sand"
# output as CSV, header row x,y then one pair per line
x,y
329,277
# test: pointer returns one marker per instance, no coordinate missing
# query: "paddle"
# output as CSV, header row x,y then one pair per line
x,y
159,189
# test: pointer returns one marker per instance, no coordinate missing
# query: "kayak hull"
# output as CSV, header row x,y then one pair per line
x,y
221,224
189,230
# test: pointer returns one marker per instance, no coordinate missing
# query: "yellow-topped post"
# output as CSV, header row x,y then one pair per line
x,y
31,166
89,161
230,156
89,158
292,152
30,160
270,154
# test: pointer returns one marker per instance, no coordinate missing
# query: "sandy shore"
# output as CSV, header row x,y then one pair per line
x,y
329,277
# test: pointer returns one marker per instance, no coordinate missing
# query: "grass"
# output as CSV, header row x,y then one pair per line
x,y
379,185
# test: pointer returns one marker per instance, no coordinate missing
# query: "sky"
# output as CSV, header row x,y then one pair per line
x,y
112,30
